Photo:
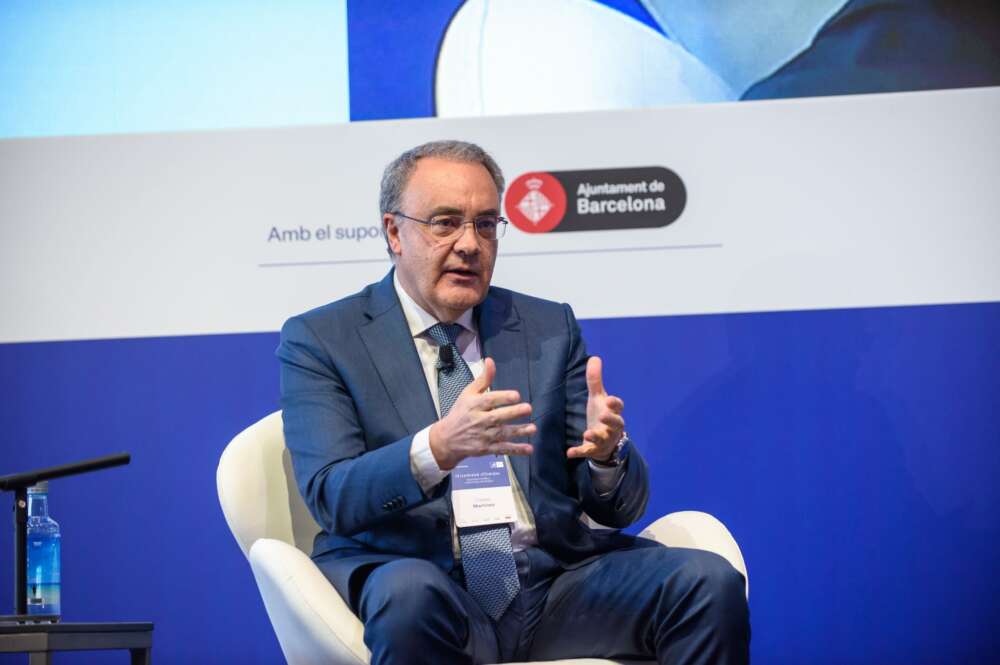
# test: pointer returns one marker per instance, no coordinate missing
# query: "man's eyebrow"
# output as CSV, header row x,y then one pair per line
x,y
444,210
448,210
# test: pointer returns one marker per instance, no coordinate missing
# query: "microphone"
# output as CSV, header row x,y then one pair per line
x,y
446,358
29,478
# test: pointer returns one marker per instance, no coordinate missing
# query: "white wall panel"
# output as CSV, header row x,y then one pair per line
x,y
798,204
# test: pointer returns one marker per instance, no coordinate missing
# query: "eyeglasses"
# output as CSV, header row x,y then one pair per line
x,y
489,227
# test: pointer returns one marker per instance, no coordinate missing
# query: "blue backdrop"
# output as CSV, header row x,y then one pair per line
x,y
853,454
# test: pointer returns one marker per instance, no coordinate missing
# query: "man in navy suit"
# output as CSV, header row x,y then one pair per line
x,y
379,429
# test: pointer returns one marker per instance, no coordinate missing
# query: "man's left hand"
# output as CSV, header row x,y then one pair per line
x,y
604,420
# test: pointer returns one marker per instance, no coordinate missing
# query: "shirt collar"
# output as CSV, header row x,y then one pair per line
x,y
417,318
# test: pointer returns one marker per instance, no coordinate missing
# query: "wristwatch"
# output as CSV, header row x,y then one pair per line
x,y
618,456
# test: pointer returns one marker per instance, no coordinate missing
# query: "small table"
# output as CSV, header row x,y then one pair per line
x,y
40,640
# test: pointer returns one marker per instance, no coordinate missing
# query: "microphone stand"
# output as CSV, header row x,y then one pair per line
x,y
19,483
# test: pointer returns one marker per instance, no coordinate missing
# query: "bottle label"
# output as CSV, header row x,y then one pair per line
x,y
43,575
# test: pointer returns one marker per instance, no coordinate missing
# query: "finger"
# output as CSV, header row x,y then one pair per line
x,y
496,398
506,414
509,448
599,435
615,404
484,380
595,384
612,420
586,449
509,432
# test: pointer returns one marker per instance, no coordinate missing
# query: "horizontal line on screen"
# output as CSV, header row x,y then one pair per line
x,y
292,264
606,250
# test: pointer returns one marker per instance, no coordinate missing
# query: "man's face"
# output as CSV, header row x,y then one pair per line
x,y
444,276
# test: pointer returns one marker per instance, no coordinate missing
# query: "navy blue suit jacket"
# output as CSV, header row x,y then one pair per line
x,y
353,394
891,46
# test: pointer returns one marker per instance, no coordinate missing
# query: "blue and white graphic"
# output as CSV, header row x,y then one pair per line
x,y
95,67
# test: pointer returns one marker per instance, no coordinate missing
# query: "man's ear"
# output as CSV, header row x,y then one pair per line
x,y
391,230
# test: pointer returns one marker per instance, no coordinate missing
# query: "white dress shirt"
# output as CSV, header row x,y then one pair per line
x,y
422,463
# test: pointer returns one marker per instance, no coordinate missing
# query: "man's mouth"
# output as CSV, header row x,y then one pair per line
x,y
462,272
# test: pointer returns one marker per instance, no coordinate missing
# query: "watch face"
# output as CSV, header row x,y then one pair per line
x,y
621,451
619,455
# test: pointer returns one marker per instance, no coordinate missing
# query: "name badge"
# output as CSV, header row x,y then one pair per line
x,y
481,492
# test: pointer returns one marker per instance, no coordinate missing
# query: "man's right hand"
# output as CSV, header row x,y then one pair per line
x,y
480,423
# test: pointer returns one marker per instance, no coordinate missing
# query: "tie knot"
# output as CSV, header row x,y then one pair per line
x,y
444,333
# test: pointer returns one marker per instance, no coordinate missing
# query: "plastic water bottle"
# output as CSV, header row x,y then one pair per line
x,y
43,554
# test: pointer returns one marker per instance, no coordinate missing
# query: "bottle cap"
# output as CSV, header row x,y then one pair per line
x,y
39,488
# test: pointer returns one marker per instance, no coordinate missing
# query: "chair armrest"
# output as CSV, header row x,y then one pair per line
x,y
311,620
699,531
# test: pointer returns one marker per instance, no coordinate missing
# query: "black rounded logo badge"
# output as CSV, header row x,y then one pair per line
x,y
595,200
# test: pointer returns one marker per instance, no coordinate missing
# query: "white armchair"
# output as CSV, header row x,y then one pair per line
x,y
274,529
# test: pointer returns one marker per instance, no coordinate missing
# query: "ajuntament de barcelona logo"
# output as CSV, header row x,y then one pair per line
x,y
602,199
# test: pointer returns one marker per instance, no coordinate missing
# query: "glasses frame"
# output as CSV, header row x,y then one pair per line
x,y
501,228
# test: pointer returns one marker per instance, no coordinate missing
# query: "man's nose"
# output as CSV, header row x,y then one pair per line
x,y
468,239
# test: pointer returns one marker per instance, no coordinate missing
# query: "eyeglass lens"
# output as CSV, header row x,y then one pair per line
x,y
487,227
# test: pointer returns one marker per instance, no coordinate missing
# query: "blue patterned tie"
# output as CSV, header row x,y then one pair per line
x,y
487,557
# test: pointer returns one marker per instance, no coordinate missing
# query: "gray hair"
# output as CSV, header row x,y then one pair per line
x,y
398,172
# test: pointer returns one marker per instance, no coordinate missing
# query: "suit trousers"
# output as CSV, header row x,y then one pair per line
x,y
679,606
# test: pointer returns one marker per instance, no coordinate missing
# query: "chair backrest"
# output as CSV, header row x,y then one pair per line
x,y
257,488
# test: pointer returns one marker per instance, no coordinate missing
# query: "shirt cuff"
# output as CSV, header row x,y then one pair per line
x,y
422,463
605,479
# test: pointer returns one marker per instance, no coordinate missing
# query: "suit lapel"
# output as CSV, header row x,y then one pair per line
x,y
387,339
502,337
390,347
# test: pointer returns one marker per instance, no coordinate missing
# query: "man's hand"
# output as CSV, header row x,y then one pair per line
x,y
604,421
478,423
